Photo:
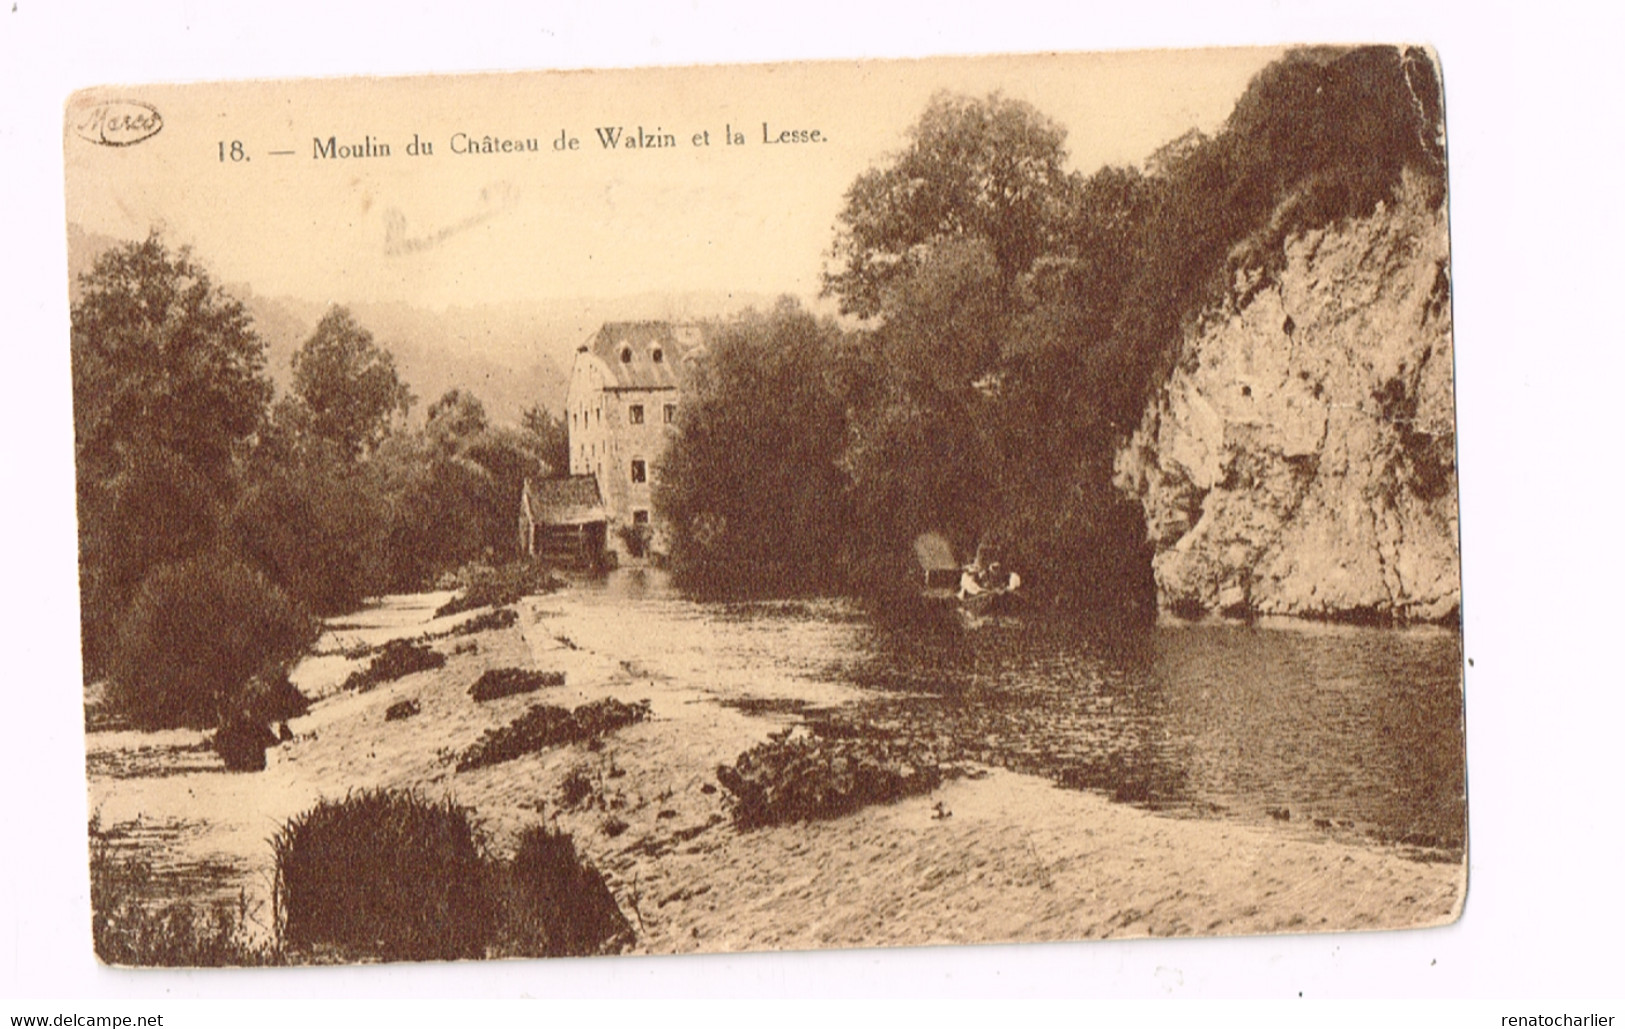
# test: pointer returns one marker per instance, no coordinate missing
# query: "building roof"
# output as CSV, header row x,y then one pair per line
x,y
573,500
646,355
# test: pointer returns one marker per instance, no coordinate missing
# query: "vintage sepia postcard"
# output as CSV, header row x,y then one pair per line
x,y
802,506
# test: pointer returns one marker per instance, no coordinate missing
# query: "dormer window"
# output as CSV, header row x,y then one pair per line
x,y
626,355
657,355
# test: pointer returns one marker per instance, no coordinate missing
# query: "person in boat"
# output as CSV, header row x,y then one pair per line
x,y
970,582
999,580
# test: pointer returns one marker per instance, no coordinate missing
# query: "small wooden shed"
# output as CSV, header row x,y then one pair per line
x,y
563,520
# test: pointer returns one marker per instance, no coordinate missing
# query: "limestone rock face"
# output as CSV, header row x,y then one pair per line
x,y
1300,460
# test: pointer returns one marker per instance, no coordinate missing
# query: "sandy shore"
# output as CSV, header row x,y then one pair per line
x,y
999,857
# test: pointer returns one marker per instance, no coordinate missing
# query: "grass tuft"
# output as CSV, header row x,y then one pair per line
x,y
385,872
506,682
397,659
563,903
547,726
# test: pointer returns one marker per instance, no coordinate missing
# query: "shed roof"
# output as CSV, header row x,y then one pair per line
x,y
646,355
572,500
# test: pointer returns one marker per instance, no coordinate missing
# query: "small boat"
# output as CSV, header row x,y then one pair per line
x,y
993,602
977,591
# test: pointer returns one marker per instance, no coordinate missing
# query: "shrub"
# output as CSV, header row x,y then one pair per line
x,y
195,633
506,682
805,778
547,726
242,742
397,659
316,529
636,539
577,788
402,709
487,621
563,899
388,873
484,586
273,698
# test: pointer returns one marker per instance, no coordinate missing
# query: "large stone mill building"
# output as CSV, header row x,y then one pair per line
x,y
620,411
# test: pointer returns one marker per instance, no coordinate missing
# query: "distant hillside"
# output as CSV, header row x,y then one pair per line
x,y
497,354
510,355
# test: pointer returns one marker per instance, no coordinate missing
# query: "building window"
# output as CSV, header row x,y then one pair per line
x,y
640,518
658,355
634,414
626,355
671,414
597,414
640,472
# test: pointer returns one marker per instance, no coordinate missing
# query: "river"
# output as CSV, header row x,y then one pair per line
x,y
1338,729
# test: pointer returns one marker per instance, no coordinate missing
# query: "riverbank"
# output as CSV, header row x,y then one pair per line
x,y
991,857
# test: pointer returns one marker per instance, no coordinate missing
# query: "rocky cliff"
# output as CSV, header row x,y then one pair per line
x,y
1300,459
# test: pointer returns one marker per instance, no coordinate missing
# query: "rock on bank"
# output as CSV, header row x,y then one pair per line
x,y
1300,459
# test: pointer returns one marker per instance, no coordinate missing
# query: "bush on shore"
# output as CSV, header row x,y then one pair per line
x,y
389,874
488,621
563,904
802,778
484,586
494,683
242,742
547,726
402,709
197,631
273,698
386,873
397,659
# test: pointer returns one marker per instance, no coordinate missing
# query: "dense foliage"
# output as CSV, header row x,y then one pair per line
x,y
195,634
753,482
992,170
1014,318
169,387
214,522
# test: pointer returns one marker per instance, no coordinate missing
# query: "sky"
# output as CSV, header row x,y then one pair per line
x,y
720,210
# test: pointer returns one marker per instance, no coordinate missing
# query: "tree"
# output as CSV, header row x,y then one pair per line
x,y
169,385
452,490
491,464
348,384
752,485
454,419
918,455
548,438
162,359
990,168
315,528
983,405
195,633
435,505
